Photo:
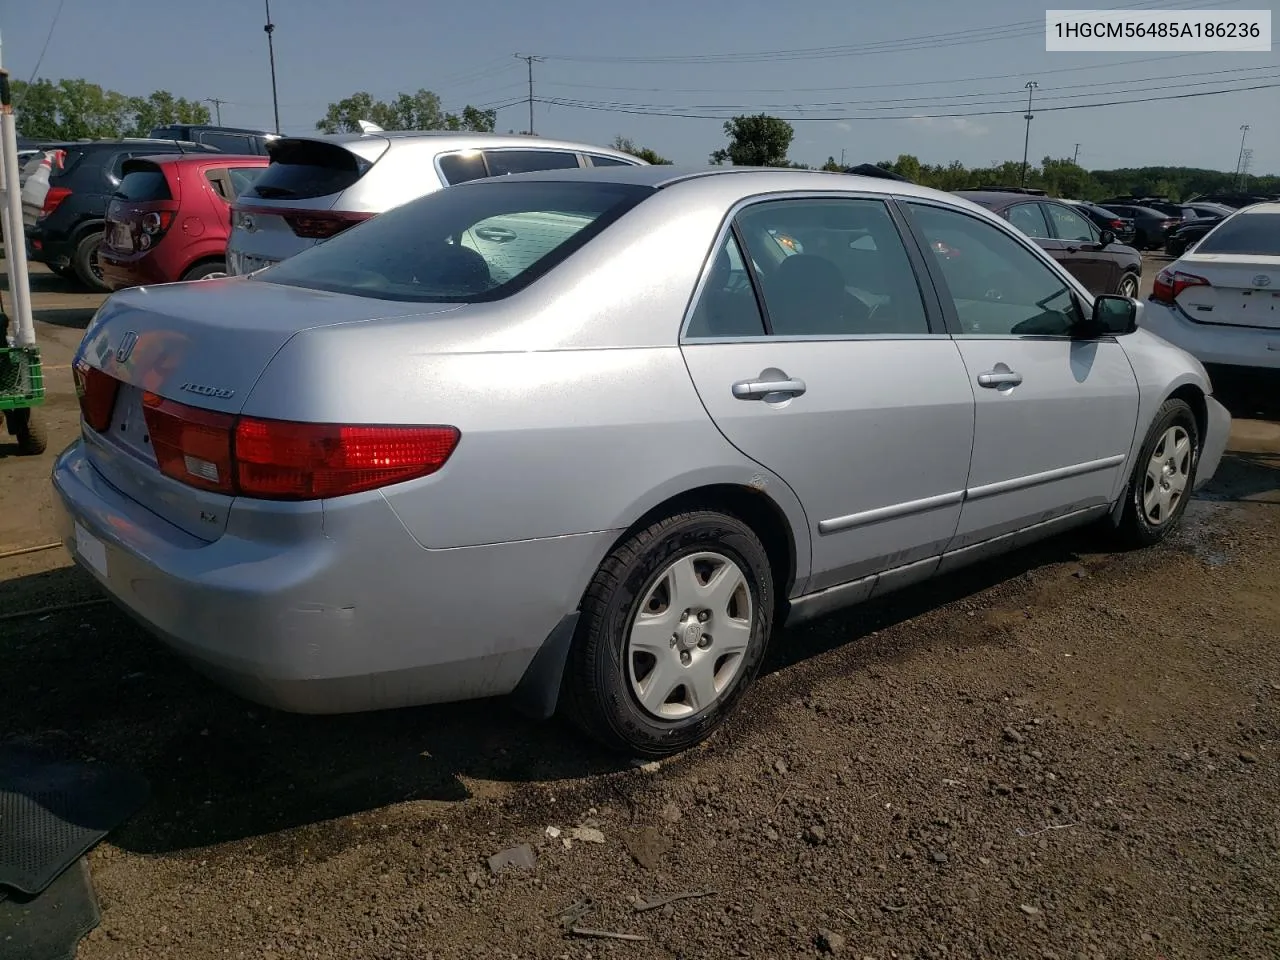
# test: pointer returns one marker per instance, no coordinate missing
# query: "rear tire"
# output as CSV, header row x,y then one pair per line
x,y
699,674
28,430
206,271
1128,286
85,263
1163,477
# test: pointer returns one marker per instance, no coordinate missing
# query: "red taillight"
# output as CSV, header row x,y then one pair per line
x,y
97,393
1117,224
282,460
322,226
279,460
52,199
191,445
1170,282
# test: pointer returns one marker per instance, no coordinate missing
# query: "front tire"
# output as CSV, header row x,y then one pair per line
x,y
85,263
1128,286
673,629
206,271
1163,477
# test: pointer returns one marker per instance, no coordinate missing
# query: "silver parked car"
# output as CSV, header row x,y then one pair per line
x,y
592,437
316,187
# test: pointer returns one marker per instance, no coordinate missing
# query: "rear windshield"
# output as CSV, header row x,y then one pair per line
x,y
469,244
301,169
143,182
1249,234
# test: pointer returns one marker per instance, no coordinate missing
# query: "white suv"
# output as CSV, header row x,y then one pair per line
x,y
318,186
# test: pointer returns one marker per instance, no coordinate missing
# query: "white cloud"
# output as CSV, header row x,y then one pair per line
x,y
960,125
847,128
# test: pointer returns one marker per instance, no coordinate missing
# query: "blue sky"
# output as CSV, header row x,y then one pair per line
x,y
326,49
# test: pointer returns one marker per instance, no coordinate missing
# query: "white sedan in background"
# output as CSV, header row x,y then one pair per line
x,y
1221,301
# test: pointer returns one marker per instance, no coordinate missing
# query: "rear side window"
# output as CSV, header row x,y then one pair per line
x,y
302,169
143,182
462,167
468,244
242,178
1249,234
228,142
599,161
504,162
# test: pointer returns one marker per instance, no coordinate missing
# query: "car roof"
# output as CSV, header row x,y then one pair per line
x,y
205,156
781,178
124,143
999,199
1270,206
462,139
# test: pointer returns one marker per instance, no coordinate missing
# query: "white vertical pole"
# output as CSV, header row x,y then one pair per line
x,y
15,244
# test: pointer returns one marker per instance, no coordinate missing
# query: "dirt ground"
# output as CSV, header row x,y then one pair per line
x,y
1065,754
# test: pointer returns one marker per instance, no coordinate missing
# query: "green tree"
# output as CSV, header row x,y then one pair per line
x,y
756,141
161,109
408,111
832,166
627,145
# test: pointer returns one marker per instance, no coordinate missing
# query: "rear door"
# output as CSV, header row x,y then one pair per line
x,y
831,369
1055,415
1081,250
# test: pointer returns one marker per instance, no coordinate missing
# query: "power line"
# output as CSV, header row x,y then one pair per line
x,y
873,107
638,110
57,14
217,105
973,35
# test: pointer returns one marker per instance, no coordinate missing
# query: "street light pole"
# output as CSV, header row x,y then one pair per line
x,y
1026,143
270,28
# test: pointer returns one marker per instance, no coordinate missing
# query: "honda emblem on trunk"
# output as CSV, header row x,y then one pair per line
x,y
1262,280
127,343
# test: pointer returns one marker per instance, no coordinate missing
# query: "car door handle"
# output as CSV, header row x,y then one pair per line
x,y
759,389
999,378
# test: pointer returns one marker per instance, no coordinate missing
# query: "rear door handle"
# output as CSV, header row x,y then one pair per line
x,y
999,378
759,389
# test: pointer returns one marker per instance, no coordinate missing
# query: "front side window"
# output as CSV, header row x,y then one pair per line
x,y
1069,225
504,162
998,287
832,268
1029,218
228,142
469,244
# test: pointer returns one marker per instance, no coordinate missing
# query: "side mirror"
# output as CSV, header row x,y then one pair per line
x,y
1108,238
1115,316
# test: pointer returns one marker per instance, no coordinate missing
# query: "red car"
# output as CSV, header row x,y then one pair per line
x,y
170,217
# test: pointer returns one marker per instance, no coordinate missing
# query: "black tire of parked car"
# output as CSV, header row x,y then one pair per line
x,y
203,271
1134,530
86,262
596,693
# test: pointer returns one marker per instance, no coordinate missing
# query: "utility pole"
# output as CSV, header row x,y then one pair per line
x,y
1026,143
530,60
270,28
217,106
842,157
1244,132
1076,159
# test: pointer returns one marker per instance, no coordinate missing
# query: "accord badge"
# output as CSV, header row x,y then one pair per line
x,y
202,390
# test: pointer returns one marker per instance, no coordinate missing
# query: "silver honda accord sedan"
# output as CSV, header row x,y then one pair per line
x,y
592,437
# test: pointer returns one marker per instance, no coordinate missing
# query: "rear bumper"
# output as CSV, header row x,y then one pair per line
x,y
121,270
357,617
53,252
1254,347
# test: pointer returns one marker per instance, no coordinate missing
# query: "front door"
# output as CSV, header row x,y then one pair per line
x,y
814,354
1055,415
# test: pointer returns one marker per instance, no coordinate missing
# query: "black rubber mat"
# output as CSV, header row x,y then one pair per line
x,y
52,811
50,926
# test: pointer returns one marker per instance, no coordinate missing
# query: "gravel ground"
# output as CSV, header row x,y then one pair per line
x,y
1066,753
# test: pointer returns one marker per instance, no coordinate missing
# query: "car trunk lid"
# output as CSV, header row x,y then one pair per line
x,y
1241,290
290,207
142,208
204,348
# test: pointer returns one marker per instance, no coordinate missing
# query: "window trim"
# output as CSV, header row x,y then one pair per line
x,y
1083,298
935,318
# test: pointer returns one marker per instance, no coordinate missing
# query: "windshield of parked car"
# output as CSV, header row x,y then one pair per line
x,y
472,243
1249,234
